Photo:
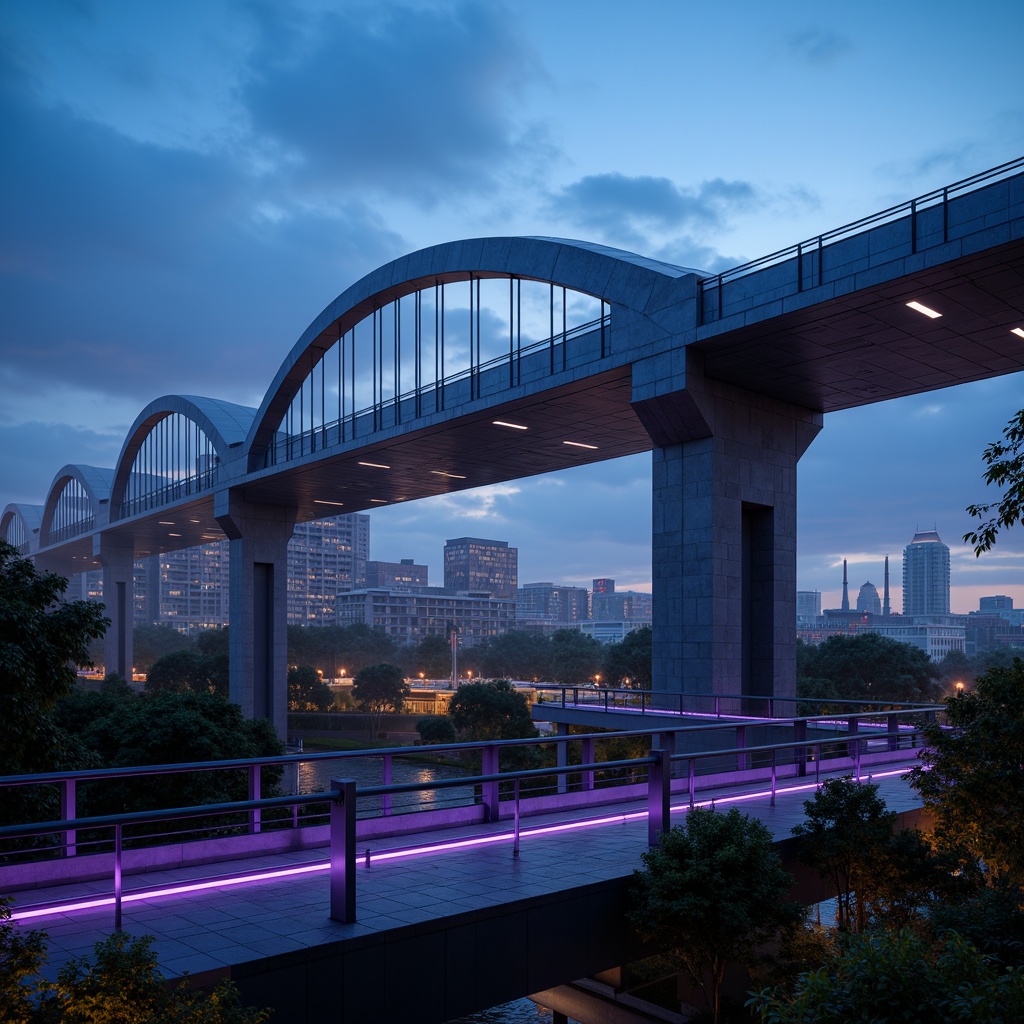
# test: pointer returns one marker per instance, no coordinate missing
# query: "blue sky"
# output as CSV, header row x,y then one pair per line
x,y
184,186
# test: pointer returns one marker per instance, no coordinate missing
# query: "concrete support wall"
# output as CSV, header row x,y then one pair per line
x,y
724,537
258,605
117,556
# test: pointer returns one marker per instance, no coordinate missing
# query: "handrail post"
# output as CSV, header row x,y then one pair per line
x,y
892,727
588,758
68,799
658,794
385,800
742,762
853,731
343,851
489,791
515,839
255,815
117,878
799,736
562,758
774,763
693,780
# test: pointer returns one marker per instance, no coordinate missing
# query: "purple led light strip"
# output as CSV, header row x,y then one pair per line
x,y
224,881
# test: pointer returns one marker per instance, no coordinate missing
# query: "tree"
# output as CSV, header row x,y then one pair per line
x,y
517,654
436,729
121,983
42,639
307,691
870,667
629,661
433,657
712,894
847,829
972,772
575,658
189,670
491,711
150,642
379,689
1005,461
894,976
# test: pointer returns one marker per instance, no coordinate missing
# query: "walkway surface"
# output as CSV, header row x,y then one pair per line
x,y
228,923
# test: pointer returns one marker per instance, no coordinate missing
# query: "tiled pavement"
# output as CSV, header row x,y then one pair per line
x,y
213,928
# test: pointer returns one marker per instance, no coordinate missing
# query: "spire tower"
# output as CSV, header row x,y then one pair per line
x,y
885,591
846,590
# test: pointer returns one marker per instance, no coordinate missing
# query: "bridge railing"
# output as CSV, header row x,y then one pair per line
x,y
658,765
808,256
430,396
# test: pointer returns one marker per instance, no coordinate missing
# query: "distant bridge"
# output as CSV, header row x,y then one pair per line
x,y
491,359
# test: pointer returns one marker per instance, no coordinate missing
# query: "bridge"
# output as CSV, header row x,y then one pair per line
x,y
491,359
368,913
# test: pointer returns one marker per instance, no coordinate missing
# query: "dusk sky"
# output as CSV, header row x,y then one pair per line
x,y
185,185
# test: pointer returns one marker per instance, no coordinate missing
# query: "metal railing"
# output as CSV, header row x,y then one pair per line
x,y
815,247
844,747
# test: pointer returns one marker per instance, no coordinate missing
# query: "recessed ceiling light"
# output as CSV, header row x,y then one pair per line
x,y
580,444
323,501
193,520
174,535
379,501
452,476
1019,331
922,308
374,465
164,522
513,426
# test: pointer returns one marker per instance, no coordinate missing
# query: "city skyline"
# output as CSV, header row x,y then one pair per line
x,y
188,193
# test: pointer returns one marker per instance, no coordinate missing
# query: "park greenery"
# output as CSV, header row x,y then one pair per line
x,y
1005,468
119,984
379,689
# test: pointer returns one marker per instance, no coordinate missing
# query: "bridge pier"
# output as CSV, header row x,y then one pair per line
x,y
117,556
258,604
724,537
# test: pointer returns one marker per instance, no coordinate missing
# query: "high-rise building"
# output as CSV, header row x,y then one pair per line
x,y
808,606
613,605
868,599
325,557
926,575
481,566
551,603
604,585
403,575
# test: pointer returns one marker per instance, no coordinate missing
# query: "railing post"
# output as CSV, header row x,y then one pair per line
x,y
774,764
515,838
489,791
588,758
562,757
67,812
385,800
117,878
718,707
892,727
658,796
852,730
693,779
255,816
343,851
742,762
800,757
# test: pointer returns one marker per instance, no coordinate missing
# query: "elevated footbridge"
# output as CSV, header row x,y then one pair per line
x,y
490,359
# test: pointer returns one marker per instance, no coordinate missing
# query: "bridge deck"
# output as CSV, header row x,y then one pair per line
x,y
233,928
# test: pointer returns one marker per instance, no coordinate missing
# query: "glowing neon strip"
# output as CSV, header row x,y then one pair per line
x,y
412,851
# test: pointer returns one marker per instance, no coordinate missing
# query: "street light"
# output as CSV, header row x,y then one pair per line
x,y
959,686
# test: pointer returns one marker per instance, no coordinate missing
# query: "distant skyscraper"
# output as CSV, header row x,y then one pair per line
x,y
867,599
325,557
403,575
926,575
604,585
552,603
808,605
481,566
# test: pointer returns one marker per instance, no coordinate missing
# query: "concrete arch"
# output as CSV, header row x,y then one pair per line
x,y
620,278
24,520
225,424
95,483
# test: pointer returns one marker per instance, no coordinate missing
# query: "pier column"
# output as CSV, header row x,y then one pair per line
x,y
116,554
724,538
258,605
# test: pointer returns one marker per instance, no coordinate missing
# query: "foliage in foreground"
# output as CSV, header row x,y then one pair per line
x,y
713,894
119,984
901,976
1005,461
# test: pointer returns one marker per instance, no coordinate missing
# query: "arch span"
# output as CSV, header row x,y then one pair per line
x,y
77,502
175,448
19,526
608,277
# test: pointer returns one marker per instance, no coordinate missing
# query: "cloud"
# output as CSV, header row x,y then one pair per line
x,y
818,47
624,207
478,503
416,101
